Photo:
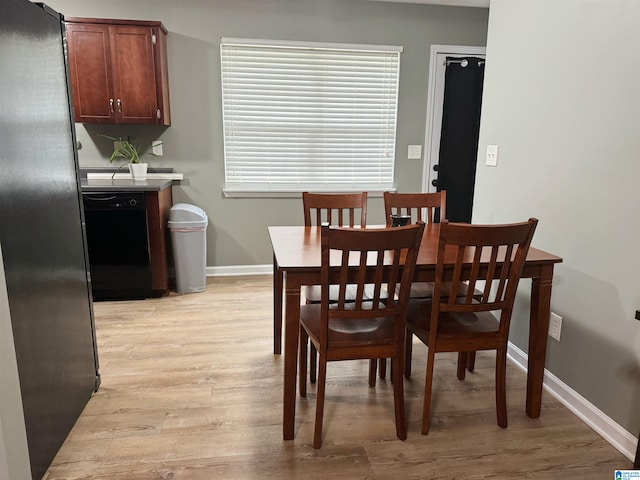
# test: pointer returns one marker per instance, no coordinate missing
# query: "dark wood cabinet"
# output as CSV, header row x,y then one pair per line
x,y
118,71
158,206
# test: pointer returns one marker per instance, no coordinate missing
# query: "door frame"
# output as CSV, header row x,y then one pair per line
x,y
435,100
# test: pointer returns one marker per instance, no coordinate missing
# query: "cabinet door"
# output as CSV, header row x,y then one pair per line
x,y
91,73
134,74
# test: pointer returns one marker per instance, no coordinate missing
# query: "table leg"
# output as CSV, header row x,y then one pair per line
x,y
538,331
277,307
291,335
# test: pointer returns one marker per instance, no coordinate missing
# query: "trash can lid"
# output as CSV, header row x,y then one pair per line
x,y
185,212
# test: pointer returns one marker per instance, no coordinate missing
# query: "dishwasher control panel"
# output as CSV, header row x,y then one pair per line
x,y
114,201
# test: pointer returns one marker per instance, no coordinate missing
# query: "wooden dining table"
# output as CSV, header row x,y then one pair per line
x,y
296,262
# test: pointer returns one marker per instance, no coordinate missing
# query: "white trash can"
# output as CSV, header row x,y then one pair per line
x,y
188,226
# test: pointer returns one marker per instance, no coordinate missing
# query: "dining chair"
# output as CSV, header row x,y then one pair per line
x,y
340,209
429,208
490,258
425,207
365,328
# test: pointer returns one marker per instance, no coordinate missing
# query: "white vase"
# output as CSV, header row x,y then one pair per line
x,y
138,171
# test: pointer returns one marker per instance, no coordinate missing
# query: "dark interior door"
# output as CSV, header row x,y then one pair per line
x,y
459,136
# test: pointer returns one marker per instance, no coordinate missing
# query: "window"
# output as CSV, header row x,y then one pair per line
x,y
308,116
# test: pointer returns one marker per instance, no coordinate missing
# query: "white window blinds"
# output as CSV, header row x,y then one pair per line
x,y
308,116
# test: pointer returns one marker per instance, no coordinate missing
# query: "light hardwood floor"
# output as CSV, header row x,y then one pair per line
x,y
191,390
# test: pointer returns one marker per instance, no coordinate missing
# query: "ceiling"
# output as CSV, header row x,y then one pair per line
x,y
451,3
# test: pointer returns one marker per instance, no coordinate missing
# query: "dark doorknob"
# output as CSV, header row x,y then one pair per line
x,y
436,167
434,182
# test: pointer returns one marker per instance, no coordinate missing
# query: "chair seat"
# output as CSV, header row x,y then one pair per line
x,y
313,293
349,332
451,325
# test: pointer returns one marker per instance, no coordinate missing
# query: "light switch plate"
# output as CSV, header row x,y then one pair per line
x,y
414,152
492,156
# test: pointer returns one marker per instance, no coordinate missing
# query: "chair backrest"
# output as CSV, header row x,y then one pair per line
x,y
489,258
383,259
423,207
340,209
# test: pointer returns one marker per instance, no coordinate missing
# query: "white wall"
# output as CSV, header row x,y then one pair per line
x,y
14,454
562,101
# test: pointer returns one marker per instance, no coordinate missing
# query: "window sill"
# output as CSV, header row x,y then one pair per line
x,y
294,194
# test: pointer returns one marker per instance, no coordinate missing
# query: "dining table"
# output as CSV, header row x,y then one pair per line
x,y
296,263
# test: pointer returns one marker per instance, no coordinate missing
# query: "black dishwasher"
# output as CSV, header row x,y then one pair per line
x,y
118,244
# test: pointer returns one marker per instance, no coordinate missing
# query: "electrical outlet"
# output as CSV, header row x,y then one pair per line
x,y
414,152
555,326
156,148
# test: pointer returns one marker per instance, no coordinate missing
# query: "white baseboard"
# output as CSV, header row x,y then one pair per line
x,y
239,270
613,433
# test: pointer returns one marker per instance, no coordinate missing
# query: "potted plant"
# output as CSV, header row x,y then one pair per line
x,y
132,155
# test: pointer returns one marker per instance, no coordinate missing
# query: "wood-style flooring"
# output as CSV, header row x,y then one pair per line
x,y
191,390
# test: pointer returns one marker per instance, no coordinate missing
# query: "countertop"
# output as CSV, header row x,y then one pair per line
x,y
124,185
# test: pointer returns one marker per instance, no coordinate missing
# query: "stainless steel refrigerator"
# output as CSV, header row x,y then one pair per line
x,y
41,229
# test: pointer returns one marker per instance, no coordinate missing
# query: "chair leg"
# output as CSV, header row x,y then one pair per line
x,y
398,399
462,364
383,368
428,385
408,348
322,380
501,387
302,362
373,367
313,355
471,361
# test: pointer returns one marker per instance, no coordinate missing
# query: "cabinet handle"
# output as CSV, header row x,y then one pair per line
x,y
111,105
119,106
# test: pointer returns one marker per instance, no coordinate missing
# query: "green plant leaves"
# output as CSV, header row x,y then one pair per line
x,y
127,150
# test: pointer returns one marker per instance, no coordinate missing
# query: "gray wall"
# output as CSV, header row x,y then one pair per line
x,y
237,233
14,452
561,100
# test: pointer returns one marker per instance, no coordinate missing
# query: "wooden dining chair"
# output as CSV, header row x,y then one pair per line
x,y
429,208
365,328
453,323
343,209
340,209
425,207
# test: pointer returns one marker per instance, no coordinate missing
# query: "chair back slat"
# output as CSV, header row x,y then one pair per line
x,y
422,207
340,209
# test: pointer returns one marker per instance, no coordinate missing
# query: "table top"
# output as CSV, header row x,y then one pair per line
x,y
298,247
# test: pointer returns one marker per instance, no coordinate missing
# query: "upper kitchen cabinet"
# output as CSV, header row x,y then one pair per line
x,y
118,71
